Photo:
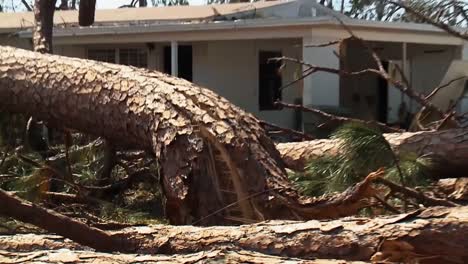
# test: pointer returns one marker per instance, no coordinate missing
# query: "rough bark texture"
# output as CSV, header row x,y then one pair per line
x,y
449,146
453,189
44,18
346,203
213,256
435,235
211,152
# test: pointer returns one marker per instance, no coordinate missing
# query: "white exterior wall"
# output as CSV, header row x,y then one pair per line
x,y
464,51
71,51
428,70
230,68
321,89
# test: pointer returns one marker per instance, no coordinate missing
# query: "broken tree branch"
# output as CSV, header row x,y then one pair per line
x,y
421,197
59,224
337,121
401,238
287,131
441,25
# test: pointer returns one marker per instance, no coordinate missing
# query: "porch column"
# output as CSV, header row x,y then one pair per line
x,y
464,51
174,58
404,63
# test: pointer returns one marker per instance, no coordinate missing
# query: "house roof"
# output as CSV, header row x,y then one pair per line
x,y
10,22
295,18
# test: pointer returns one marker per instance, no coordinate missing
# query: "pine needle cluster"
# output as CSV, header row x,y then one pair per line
x,y
362,149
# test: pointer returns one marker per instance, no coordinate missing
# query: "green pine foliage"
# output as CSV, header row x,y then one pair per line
x,y
363,150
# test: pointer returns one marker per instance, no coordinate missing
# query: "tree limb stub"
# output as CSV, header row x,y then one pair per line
x,y
434,235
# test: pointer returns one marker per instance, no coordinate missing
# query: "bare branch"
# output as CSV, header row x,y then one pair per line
x,y
384,74
430,201
26,5
315,68
301,135
431,21
321,45
338,120
60,224
438,88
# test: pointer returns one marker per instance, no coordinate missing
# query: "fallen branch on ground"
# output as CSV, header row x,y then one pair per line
x,y
211,256
401,238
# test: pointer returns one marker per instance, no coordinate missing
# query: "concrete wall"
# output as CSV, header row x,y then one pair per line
x,y
321,89
230,68
12,40
425,69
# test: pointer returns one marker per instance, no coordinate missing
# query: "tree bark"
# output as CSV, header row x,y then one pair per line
x,y
86,13
455,189
449,147
212,256
214,156
346,203
44,19
435,235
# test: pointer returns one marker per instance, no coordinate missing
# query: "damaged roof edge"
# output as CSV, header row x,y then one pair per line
x,y
237,24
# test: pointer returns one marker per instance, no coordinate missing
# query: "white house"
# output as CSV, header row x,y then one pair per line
x,y
226,48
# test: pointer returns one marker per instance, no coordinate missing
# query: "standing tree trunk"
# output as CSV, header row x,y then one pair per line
x,y
86,12
44,18
449,147
218,164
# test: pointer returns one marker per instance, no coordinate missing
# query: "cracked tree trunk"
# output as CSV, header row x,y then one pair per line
x,y
211,152
448,147
435,235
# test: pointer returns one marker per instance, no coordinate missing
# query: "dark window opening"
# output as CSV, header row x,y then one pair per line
x,y
104,55
269,80
134,57
382,97
184,60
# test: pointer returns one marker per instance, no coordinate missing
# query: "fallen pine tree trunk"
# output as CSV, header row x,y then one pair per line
x,y
449,147
212,256
218,165
435,235
455,189
346,203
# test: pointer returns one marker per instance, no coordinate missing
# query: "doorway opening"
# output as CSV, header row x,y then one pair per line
x,y
185,61
382,97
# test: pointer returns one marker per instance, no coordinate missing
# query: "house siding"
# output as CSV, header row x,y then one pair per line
x,y
230,68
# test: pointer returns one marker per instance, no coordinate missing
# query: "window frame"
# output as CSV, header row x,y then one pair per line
x,y
117,52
